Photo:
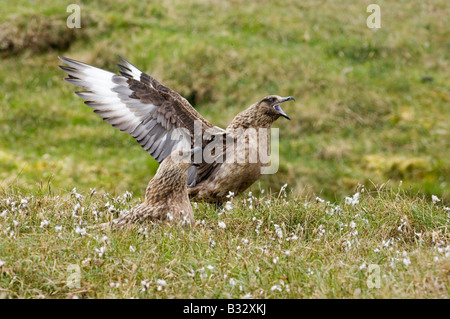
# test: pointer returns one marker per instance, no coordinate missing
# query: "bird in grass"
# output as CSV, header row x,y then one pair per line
x,y
166,196
136,103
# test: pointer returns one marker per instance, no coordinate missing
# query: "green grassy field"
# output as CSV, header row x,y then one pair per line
x,y
275,246
372,109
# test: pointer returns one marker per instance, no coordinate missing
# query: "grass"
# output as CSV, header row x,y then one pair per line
x,y
371,109
273,246
364,112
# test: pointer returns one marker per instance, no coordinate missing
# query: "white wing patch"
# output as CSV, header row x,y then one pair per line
x,y
109,95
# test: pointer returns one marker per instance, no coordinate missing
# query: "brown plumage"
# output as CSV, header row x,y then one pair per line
x,y
166,197
138,104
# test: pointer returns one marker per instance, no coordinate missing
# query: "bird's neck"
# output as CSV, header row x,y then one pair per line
x,y
251,119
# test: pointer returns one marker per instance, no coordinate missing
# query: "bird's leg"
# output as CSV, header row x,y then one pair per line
x,y
218,205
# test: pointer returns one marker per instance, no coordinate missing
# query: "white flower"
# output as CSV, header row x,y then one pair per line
x,y
278,231
228,206
230,195
58,228
2,262
320,200
77,207
354,200
222,225
74,193
210,267
145,284
161,284
275,287
44,223
435,199
132,249
127,195
86,261
363,266
81,231
275,260
232,281
101,251
406,261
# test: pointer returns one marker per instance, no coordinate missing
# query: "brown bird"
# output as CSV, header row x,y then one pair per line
x,y
161,120
166,197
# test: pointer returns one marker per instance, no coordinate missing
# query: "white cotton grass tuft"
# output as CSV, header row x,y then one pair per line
x,y
145,284
278,231
75,194
100,251
354,200
276,288
228,206
161,283
80,231
44,223
435,199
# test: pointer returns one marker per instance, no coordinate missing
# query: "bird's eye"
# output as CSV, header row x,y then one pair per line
x,y
270,100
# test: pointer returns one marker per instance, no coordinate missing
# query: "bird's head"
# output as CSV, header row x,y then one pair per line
x,y
261,114
271,106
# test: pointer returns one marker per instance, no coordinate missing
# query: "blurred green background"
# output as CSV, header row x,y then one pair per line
x,y
372,104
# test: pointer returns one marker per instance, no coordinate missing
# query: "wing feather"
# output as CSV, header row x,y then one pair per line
x,y
136,103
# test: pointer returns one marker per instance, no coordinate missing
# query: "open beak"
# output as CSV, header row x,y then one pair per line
x,y
195,152
277,107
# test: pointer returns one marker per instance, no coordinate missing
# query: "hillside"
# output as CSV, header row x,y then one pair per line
x,y
372,104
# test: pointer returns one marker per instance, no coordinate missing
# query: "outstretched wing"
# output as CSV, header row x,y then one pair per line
x,y
160,119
